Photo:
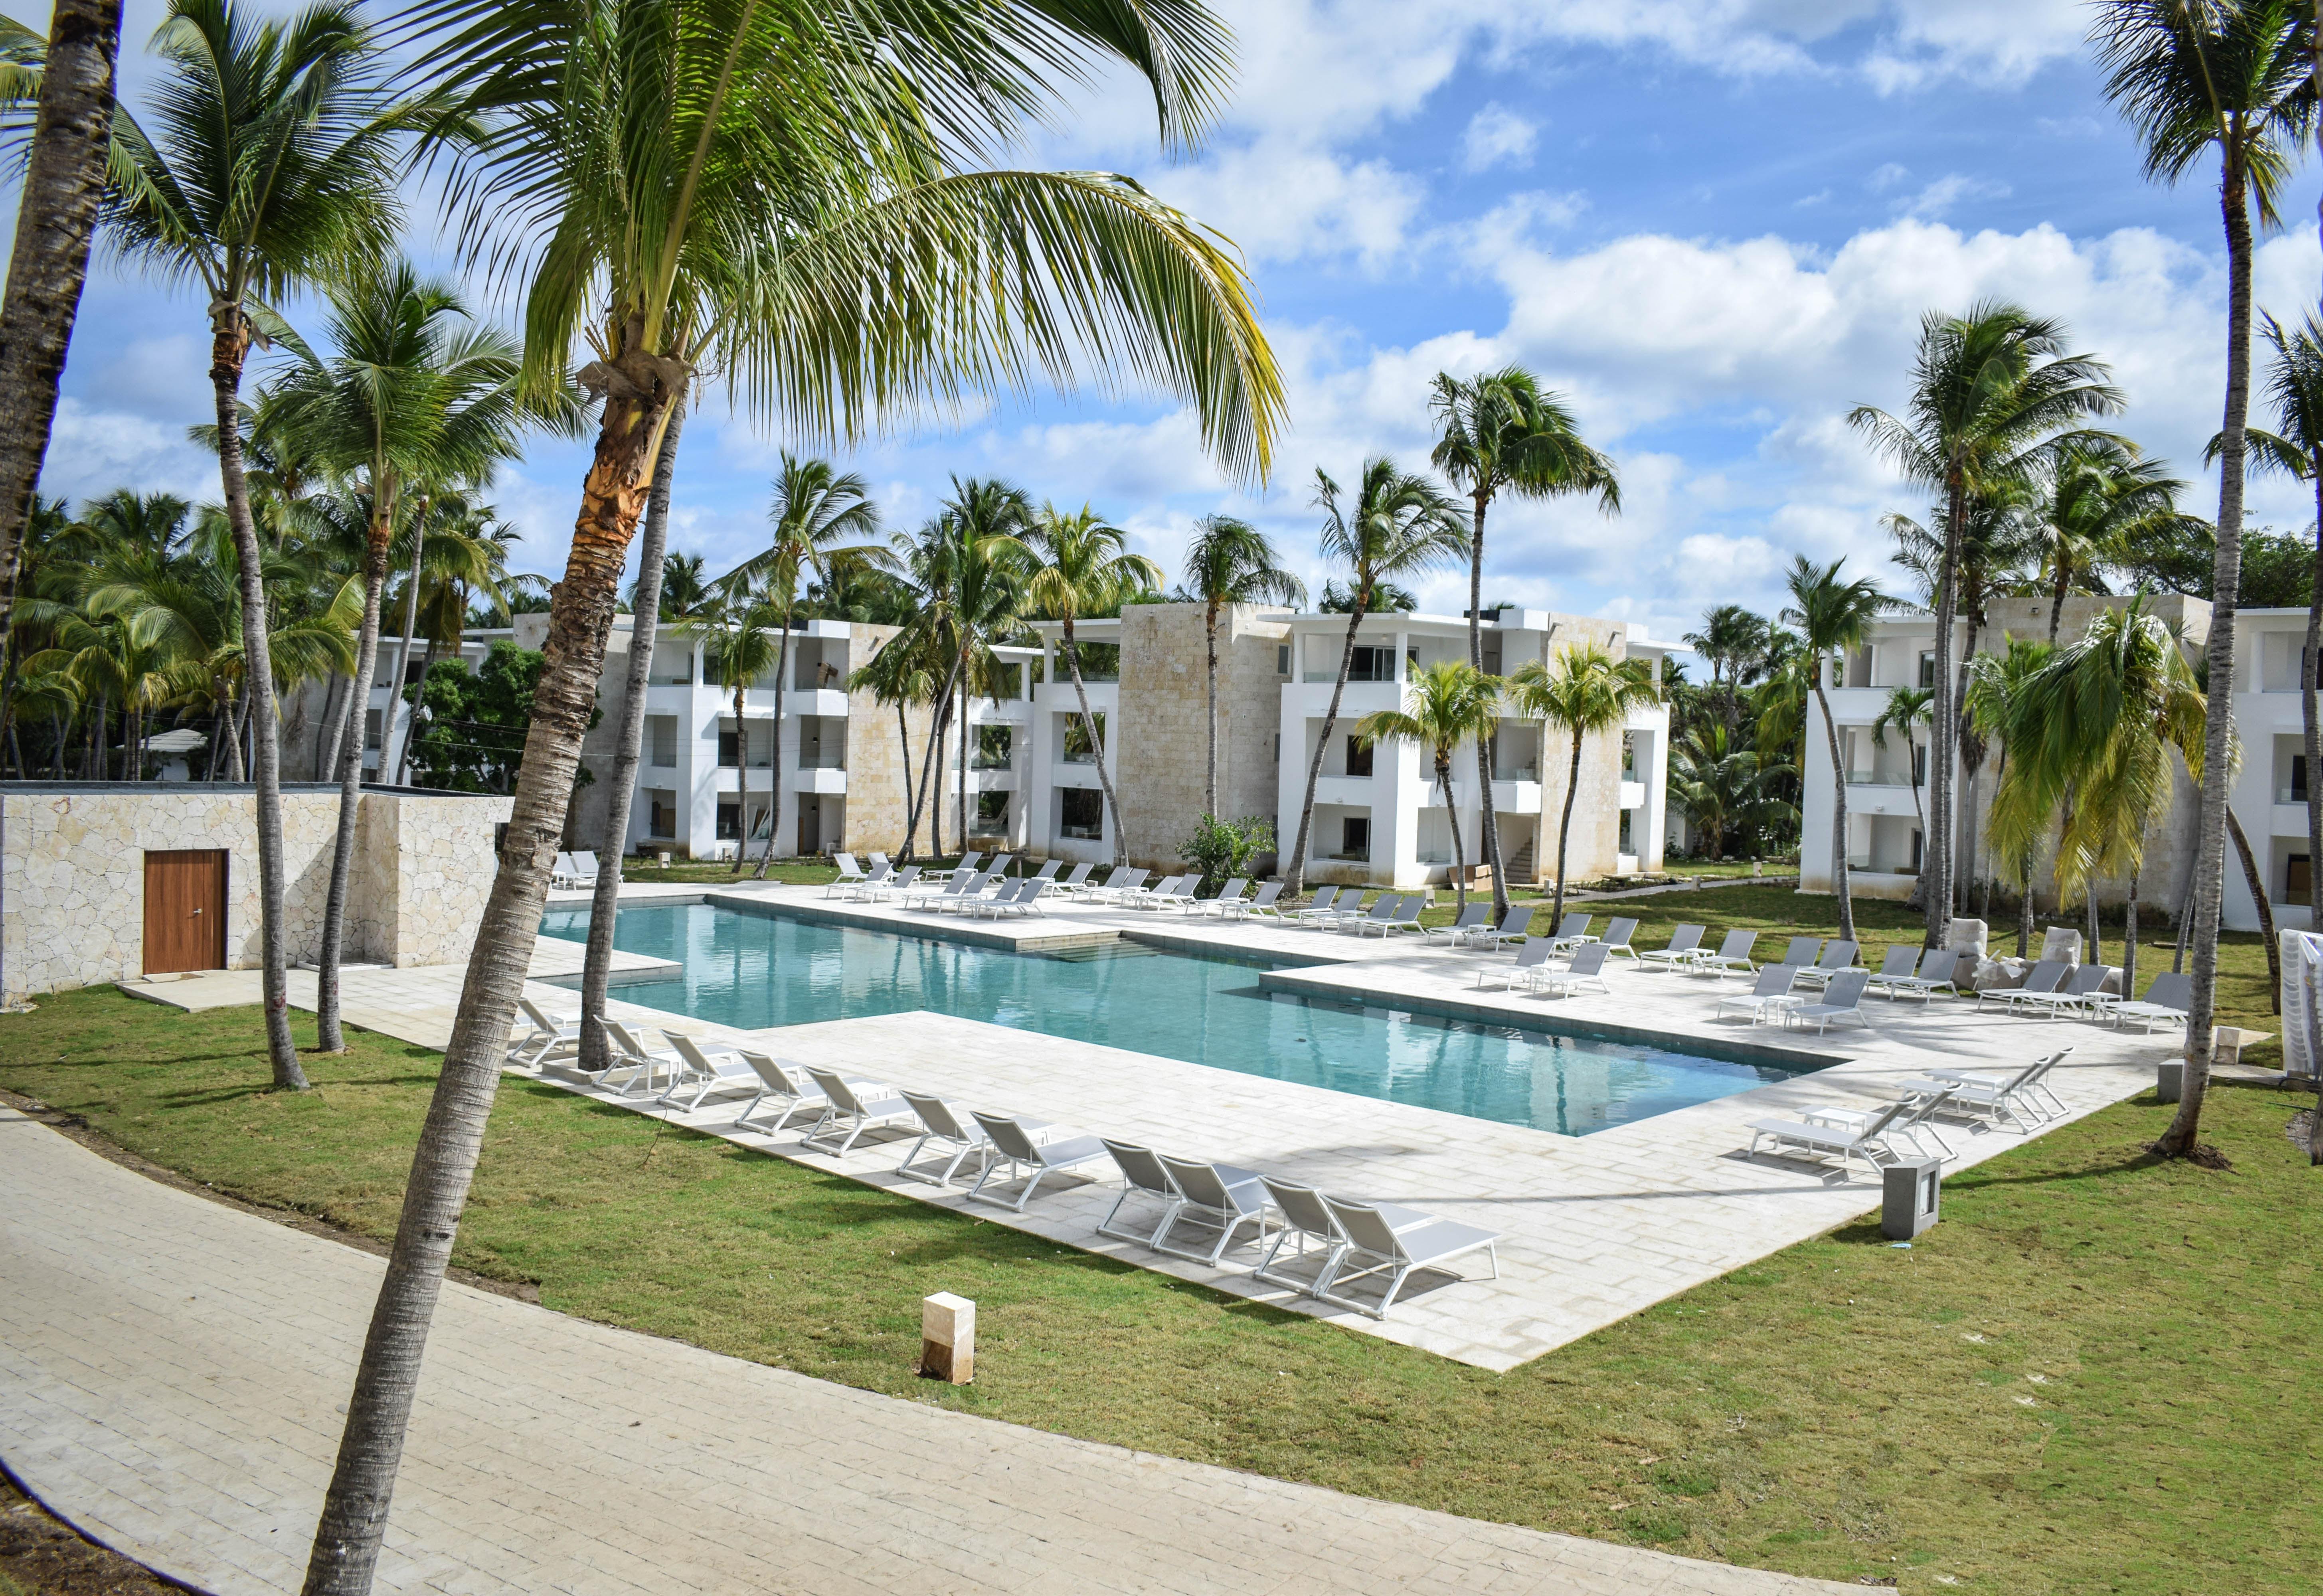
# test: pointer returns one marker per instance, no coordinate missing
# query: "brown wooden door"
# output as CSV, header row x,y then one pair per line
x,y
184,911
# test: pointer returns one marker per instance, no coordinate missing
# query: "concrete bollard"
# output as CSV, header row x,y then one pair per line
x,y
947,1338
2170,1081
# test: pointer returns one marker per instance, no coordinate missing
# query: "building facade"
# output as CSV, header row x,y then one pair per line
x,y
1887,804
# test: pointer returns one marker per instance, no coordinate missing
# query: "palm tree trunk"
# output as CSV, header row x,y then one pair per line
x,y
1210,769
604,907
1564,830
1296,881
2089,889
2310,681
403,654
239,711
2129,940
1088,724
2256,883
580,613
1935,865
348,773
2226,585
2025,912
1971,760
742,778
903,742
1839,816
228,349
774,762
939,713
1459,848
967,731
56,215
1488,826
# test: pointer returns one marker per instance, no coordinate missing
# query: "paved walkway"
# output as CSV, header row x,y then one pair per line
x,y
172,1374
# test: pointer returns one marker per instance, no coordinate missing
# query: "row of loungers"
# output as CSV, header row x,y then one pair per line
x,y
1312,1240
2021,1097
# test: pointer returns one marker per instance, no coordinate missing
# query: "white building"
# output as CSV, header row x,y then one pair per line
x,y
1886,840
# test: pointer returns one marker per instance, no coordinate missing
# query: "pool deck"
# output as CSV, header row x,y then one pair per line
x,y
1595,1227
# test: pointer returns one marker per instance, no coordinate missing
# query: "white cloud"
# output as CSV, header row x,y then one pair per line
x,y
1497,134
1939,198
93,451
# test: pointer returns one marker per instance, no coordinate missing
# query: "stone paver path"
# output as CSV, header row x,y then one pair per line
x,y
173,1372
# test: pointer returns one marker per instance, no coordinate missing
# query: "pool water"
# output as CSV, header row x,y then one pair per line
x,y
753,970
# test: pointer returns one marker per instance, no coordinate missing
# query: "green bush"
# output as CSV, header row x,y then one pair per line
x,y
1219,848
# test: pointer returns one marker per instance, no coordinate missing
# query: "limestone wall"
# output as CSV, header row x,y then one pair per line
x,y
74,874
1164,715
879,802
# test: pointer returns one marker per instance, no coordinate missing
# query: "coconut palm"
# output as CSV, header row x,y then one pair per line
x,y
1503,432
1993,394
1735,641
1444,705
2100,499
773,192
1906,708
1396,524
1833,615
740,630
1076,564
58,94
1724,790
268,165
1995,686
1584,691
2230,79
1231,562
815,506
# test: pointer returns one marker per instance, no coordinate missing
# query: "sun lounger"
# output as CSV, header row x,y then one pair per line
x,y
2003,1091
1937,966
869,887
850,874
2079,992
1572,931
1685,948
1381,1247
1842,999
1228,899
1075,881
876,858
1404,916
1917,1120
1867,1141
1617,937
966,867
1837,956
1380,911
1732,957
1803,952
1142,1175
1162,892
1516,926
1027,901
1219,1196
1587,968
980,890
1475,917
1896,965
1319,908
549,1033
781,1079
1306,1220
940,1123
1264,903
1014,1149
705,1071
1532,958
1768,996
2042,981
580,870
925,896
1048,871
560,871
846,1109
2165,1003
879,889
640,1062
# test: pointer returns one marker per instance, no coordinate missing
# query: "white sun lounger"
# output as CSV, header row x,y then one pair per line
x,y
846,1109
1768,996
1936,969
1405,917
1121,881
1220,1196
1382,1247
642,1063
1586,968
1263,904
1475,917
1617,937
706,1072
1896,965
2078,995
1013,1150
1919,1118
549,1033
1801,952
2029,1086
1837,956
2042,981
1322,906
1842,999
881,888
1532,958
779,1079
1229,898
580,870
2165,1003
1142,1175
1381,911
1306,1221
1867,1142
1685,948
1075,880
940,1123
850,874
1732,957
1572,931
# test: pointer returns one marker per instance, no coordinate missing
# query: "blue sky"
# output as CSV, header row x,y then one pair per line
x,y
1713,224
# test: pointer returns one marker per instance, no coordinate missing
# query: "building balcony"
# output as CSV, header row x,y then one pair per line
x,y
1632,795
1894,798
1356,789
819,779
2288,819
1516,797
812,701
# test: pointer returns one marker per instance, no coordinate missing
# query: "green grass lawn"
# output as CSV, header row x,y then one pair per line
x,y
2089,1378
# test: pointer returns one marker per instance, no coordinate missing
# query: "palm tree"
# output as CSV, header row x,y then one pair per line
x,y
1993,392
1906,708
1503,432
1833,615
2102,497
1231,561
686,590
296,102
1444,705
971,565
1589,693
68,81
1735,641
1724,790
740,627
770,191
1995,686
815,507
408,395
1398,524
2232,77
1077,564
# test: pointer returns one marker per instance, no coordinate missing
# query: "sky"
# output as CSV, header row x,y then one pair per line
x,y
1712,226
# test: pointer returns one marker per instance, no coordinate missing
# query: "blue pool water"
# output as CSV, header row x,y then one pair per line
x,y
753,970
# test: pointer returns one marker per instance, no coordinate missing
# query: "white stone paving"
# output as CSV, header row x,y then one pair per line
x,y
173,1371
1596,1227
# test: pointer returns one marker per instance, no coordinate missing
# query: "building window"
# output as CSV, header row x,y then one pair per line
x,y
1355,837
1080,812
661,814
370,731
2298,885
992,810
1359,757
730,822
729,752
1916,851
1282,659
994,747
1372,664
2298,778
665,741
1076,748
1927,671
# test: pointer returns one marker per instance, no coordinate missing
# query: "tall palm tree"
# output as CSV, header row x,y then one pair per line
x,y
1735,641
1396,524
1231,562
772,191
409,393
2100,499
1076,563
1725,791
686,590
1585,693
815,507
269,165
971,566
2195,79
1996,682
1906,708
1993,391
2294,382
1444,705
66,84
740,627
1503,432
1832,616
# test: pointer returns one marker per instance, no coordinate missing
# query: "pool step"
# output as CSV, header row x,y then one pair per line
x,y
1097,951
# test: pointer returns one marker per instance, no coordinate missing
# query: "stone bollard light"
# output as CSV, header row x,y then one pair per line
x,y
947,1338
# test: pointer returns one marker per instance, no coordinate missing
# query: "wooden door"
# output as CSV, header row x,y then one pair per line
x,y
184,911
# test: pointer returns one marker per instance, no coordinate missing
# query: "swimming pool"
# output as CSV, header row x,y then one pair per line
x,y
758,970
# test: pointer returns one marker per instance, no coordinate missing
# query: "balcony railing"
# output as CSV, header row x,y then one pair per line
x,y
997,761
1879,779
1526,772
830,759
2290,794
